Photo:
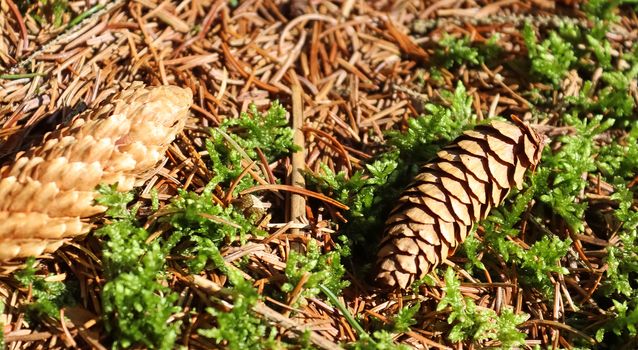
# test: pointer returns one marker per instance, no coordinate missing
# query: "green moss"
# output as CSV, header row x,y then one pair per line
x,y
622,271
454,51
201,225
198,218
439,125
569,165
402,321
542,259
135,301
267,131
239,139
47,297
478,324
551,58
325,269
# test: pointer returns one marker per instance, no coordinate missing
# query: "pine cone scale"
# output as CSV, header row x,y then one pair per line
x,y
431,189
519,174
455,188
476,166
508,130
501,149
447,231
498,171
425,206
528,147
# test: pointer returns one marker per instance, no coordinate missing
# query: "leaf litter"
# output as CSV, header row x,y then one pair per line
x,y
213,239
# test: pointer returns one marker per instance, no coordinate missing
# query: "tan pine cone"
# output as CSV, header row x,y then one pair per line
x,y
452,192
48,192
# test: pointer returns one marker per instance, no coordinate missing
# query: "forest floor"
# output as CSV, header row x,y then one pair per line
x,y
260,230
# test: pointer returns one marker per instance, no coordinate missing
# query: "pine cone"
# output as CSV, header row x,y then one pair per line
x,y
47,193
455,190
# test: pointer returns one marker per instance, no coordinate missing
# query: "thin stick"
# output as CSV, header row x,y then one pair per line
x,y
138,17
558,325
23,28
276,187
297,201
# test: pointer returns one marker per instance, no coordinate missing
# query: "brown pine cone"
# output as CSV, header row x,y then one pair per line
x,y
49,190
452,192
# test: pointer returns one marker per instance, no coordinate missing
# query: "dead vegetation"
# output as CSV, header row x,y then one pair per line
x,y
347,72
